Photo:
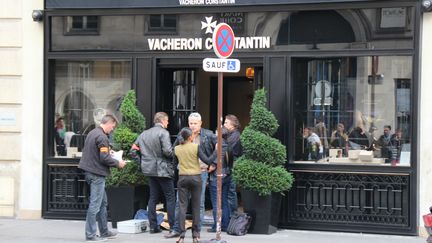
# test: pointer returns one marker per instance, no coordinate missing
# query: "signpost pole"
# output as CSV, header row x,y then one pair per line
x,y
219,156
223,45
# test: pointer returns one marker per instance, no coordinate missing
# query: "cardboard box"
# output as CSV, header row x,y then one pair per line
x,y
132,226
365,155
353,154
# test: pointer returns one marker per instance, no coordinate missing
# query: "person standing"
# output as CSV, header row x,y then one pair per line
x,y
226,182
156,163
207,141
232,124
96,161
189,184
60,136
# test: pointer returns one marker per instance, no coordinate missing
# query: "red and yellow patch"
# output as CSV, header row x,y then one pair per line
x,y
104,150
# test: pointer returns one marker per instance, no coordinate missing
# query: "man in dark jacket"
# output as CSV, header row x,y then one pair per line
x,y
232,124
156,163
96,161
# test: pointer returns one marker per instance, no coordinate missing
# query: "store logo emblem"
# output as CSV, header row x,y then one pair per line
x,y
209,25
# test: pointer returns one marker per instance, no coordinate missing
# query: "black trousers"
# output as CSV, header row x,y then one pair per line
x,y
189,186
159,185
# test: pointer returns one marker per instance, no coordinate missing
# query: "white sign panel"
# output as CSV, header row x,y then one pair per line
x,y
7,119
221,65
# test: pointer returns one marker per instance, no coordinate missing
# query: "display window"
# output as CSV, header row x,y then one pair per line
x,y
83,92
353,110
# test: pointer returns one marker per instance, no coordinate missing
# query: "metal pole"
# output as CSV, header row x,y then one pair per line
x,y
219,157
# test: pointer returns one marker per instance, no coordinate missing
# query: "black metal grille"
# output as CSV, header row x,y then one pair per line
x,y
370,200
67,190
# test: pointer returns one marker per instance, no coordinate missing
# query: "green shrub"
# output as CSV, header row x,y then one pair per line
x,y
262,178
260,169
260,147
124,136
132,117
129,175
262,119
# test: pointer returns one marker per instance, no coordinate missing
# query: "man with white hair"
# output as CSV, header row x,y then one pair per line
x,y
207,141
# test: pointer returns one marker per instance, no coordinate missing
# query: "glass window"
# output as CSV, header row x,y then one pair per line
x,y
353,109
81,25
162,23
84,91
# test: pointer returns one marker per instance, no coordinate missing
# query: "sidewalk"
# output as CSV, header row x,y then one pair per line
x,y
54,231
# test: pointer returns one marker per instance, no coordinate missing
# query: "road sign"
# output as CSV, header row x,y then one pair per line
x,y
223,40
221,65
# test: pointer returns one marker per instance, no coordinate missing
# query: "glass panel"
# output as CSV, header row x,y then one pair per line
x,y
92,22
353,109
155,21
85,91
170,21
303,30
77,22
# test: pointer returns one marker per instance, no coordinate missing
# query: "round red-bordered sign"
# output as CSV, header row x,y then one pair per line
x,y
223,40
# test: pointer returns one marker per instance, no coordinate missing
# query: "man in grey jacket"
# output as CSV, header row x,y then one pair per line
x,y
96,161
156,163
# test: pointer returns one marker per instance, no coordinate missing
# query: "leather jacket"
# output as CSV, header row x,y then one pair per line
x,y
156,152
208,141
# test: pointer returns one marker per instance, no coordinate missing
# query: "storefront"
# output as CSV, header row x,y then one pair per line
x,y
342,79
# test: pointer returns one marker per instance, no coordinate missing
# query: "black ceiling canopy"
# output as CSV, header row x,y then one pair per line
x,y
85,4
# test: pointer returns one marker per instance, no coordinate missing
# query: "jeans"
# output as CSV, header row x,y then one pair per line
x,y
97,210
159,185
204,177
226,181
232,197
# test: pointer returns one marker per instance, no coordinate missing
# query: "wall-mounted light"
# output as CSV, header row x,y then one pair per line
x,y
427,5
37,15
250,72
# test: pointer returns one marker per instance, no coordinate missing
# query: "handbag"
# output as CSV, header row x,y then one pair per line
x,y
239,224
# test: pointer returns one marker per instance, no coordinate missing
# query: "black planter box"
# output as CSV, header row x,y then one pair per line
x,y
124,201
263,210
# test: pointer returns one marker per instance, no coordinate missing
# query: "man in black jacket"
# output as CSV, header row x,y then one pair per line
x,y
96,161
156,163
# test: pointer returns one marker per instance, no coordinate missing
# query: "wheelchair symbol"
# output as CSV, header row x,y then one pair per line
x,y
231,65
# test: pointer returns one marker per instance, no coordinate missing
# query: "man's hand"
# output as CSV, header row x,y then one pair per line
x,y
121,164
211,168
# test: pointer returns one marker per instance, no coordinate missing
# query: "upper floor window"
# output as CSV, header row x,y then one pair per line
x,y
82,25
162,23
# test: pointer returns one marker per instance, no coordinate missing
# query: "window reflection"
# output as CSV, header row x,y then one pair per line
x,y
353,109
84,92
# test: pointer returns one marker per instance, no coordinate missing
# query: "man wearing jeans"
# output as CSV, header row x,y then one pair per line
x,y
96,161
207,140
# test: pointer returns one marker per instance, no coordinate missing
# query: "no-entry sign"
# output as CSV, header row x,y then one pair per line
x,y
223,40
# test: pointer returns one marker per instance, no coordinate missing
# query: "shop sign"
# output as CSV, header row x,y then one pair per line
x,y
205,2
221,65
198,44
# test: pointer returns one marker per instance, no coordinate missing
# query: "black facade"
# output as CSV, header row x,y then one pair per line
x,y
366,52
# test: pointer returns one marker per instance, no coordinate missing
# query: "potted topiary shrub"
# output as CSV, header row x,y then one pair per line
x,y
260,172
127,189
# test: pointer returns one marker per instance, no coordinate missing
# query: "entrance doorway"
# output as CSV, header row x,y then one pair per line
x,y
181,91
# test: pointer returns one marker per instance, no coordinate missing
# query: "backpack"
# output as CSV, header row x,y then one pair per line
x,y
239,224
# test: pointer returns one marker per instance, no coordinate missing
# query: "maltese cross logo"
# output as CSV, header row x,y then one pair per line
x,y
208,25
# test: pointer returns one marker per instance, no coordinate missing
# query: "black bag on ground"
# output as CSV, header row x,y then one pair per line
x,y
239,224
